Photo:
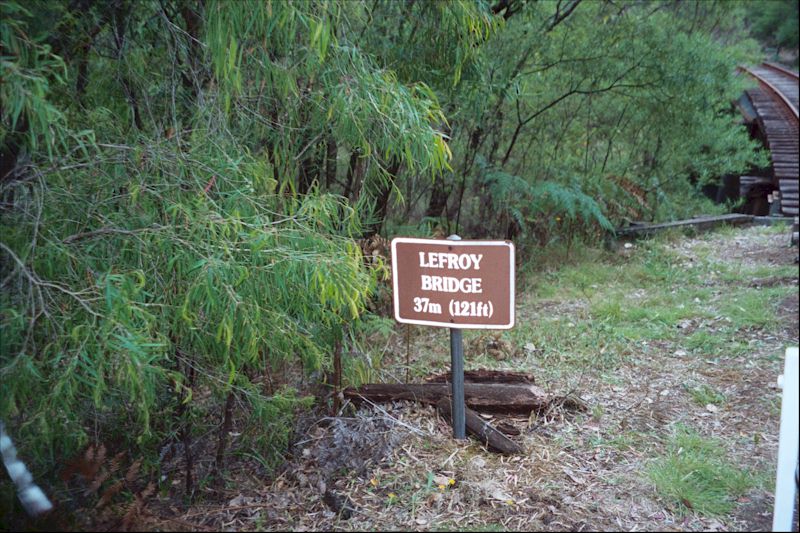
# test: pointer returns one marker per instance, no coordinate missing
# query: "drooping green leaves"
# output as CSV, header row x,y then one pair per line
x,y
217,160
28,68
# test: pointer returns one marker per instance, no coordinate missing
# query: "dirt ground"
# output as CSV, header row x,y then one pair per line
x,y
396,467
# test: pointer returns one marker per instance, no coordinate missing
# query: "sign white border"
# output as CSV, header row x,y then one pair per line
x,y
446,242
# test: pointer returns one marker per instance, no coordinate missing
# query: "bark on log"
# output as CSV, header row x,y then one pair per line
x,y
508,429
484,397
486,376
486,434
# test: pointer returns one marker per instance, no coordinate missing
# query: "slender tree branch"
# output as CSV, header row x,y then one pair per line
x,y
35,280
559,16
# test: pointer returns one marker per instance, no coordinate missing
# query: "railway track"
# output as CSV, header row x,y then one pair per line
x,y
776,101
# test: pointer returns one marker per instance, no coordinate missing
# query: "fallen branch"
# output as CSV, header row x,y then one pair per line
x,y
489,436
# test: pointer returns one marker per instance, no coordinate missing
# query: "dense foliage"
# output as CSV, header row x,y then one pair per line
x,y
183,183
775,24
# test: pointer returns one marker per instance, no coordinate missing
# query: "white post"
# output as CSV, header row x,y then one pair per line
x,y
785,484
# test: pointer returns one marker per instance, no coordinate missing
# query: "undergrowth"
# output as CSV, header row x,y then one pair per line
x,y
695,475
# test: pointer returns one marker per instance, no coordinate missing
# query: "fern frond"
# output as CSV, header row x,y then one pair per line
x,y
525,200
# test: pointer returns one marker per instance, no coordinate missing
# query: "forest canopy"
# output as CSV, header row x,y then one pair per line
x,y
185,183
775,24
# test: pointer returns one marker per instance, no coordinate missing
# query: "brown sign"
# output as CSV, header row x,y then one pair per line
x,y
453,284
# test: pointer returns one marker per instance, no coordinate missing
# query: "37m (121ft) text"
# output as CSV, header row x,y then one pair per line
x,y
424,305
461,308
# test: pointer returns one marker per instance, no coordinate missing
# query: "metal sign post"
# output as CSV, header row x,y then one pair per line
x,y
457,377
458,285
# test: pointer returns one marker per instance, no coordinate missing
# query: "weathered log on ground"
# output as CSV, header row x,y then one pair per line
x,y
483,397
703,223
485,433
508,429
486,376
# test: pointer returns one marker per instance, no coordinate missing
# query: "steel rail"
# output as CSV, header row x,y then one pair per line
x,y
772,89
781,69
776,103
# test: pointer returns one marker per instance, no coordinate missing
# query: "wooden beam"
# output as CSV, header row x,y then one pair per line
x,y
484,397
486,434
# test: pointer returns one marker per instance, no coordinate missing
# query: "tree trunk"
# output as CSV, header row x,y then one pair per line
x,y
438,199
355,173
121,14
185,420
330,162
337,376
497,133
511,144
224,430
475,142
10,149
440,193
82,80
384,191
194,24
308,171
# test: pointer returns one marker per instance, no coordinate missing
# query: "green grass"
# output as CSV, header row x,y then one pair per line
x,y
754,307
704,394
616,302
732,274
779,227
658,313
714,344
623,442
694,475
